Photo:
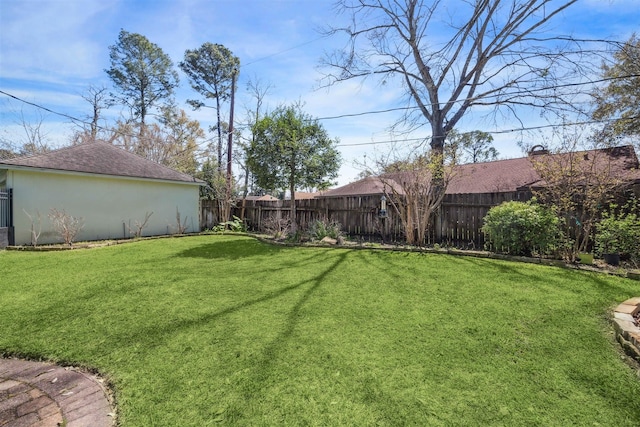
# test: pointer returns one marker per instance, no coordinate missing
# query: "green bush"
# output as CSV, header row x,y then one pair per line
x,y
235,225
521,228
619,233
320,229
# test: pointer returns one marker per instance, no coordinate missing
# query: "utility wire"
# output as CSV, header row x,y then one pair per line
x,y
364,113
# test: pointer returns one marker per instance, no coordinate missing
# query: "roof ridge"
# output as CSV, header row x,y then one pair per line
x,y
101,158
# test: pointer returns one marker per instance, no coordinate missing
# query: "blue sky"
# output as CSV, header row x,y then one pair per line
x,y
52,50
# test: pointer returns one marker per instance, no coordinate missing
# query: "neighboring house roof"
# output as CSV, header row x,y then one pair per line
x,y
502,176
499,176
365,187
100,158
303,195
266,197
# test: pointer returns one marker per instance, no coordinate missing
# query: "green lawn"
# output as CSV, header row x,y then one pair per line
x,y
226,330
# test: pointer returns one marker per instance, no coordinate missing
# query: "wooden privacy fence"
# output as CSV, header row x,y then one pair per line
x,y
458,222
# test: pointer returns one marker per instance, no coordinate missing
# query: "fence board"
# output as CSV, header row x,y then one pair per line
x,y
457,223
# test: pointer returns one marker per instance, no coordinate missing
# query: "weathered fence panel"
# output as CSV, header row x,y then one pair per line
x,y
458,222
460,217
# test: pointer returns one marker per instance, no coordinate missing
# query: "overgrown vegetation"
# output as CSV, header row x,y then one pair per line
x,y
277,227
319,229
223,329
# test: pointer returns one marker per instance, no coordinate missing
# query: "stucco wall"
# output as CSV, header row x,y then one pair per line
x,y
109,206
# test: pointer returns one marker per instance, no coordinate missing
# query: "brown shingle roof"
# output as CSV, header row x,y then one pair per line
x,y
502,175
364,187
103,159
499,176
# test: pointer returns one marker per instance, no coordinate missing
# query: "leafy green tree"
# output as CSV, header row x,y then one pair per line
x,y
142,73
620,99
471,147
292,151
211,70
216,183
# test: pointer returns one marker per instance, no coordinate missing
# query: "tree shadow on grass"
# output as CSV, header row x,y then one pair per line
x,y
264,366
156,335
232,250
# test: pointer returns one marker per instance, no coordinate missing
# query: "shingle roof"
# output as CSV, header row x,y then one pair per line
x,y
266,197
103,159
364,187
499,176
503,175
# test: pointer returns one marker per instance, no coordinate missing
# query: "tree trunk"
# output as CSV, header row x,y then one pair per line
x,y
294,219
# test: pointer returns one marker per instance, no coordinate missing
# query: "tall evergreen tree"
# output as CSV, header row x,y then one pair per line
x,y
142,73
211,69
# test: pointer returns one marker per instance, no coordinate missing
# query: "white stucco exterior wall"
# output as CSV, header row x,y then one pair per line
x,y
109,205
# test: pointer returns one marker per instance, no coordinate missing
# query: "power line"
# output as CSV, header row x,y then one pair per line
x,y
284,51
496,132
364,113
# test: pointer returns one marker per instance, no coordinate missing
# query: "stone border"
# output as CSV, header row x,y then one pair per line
x,y
627,332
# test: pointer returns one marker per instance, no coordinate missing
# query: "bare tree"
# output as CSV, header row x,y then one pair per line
x,y
35,137
484,53
181,226
258,92
36,226
139,227
409,187
99,99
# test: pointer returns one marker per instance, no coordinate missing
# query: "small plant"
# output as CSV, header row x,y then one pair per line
x,y
36,226
66,225
181,227
236,225
139,226
320,229
521,228
298,237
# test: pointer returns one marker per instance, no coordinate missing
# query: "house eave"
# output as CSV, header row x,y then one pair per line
x,y
90,174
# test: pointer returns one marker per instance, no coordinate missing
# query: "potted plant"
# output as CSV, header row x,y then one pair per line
x,y
607,239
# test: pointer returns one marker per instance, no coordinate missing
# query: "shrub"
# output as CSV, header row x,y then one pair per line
x,y
279,228
236,225
66,225
521,228
619,233
319,229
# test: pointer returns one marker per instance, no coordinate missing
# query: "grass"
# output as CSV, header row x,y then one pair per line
x,y
226,330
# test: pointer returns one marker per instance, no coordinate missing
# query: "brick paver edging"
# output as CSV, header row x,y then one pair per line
x,y
44,394
627,332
